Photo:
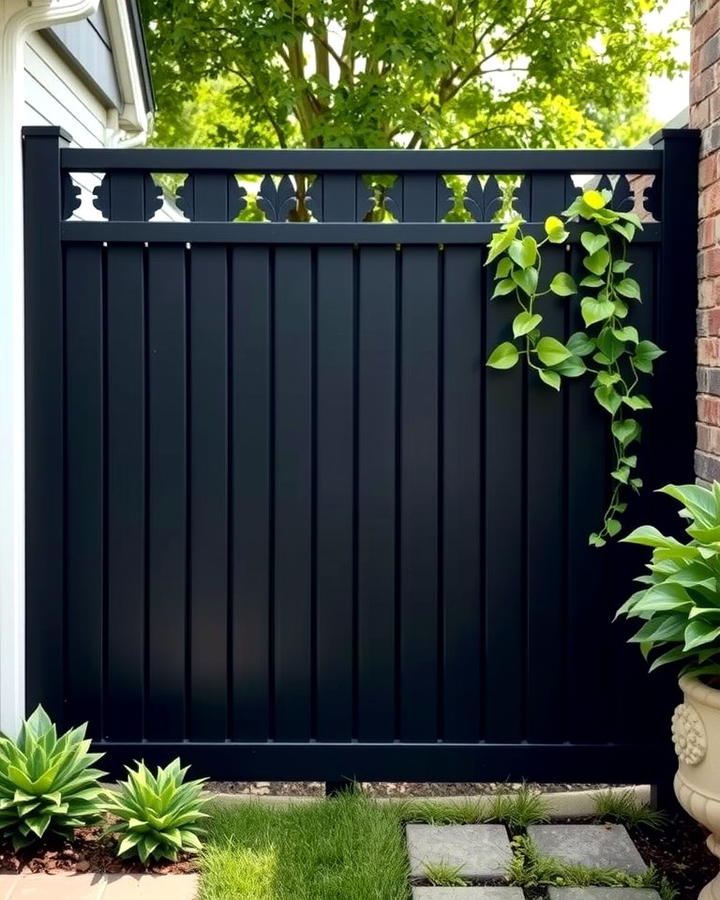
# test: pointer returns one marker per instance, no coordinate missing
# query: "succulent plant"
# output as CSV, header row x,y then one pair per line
x,y
160,815
47,784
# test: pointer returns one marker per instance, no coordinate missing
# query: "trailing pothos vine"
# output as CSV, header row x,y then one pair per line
x,y
610,351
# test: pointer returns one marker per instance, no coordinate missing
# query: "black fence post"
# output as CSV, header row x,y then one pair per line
x,y
44,377
673,433
677,301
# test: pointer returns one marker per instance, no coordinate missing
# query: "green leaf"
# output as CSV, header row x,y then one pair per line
x,y
580,344
626,431
621,266
506,286
593,242
563,285
628,333
645,353
597,262
504,356
525,322
501,240
526,280
550,378
523,252
596,310
592,281
612,526
504,267
628,287
551,352
572,367
596,541
627,230
698,633
608,398
608,378
621,308
637,401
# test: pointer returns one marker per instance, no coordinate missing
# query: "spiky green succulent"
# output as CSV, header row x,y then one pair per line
x,y
160,815
47,784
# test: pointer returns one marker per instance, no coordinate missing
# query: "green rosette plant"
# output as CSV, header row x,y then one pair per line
x,y
679,603
158,815
47,784
608,350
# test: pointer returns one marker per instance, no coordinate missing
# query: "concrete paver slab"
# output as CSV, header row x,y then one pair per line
x,y
480,851
57,887
468,893
596,846
603,893
151,887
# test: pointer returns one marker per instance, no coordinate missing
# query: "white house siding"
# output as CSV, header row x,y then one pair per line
x,y
56,95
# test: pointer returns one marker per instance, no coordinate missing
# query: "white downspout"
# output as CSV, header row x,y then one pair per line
x,y
18,18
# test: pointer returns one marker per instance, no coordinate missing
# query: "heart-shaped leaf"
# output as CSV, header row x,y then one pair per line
x,y
550,378
504,356
597,262
594,310
563,285
524,322
592,242
551,352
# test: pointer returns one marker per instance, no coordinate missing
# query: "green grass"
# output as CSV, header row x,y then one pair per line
x,y
528,869
516,810
626,808
444,875
348,848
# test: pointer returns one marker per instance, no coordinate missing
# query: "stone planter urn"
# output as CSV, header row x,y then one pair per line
x,y
696,735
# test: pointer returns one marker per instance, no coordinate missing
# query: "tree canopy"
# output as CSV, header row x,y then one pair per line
x,y
404,73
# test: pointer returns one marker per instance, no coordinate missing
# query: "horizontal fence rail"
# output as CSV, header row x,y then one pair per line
x,y
281,517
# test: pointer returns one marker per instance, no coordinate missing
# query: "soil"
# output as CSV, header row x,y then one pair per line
x,y
678,851
385,788
91,851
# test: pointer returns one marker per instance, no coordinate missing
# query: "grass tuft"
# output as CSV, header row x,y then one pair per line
x,y
624,807
444,875
528,869
438,812
525,807
349,848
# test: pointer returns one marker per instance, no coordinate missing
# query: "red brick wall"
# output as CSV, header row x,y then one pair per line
x,y
705,114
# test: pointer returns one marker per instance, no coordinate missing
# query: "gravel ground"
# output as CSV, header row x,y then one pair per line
x,y
386,788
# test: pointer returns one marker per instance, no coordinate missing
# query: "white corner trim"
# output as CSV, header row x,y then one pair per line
x,y
134,118
18,18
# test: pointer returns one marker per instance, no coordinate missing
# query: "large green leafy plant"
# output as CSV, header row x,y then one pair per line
x,y
679,604
608,350
158,815
47,784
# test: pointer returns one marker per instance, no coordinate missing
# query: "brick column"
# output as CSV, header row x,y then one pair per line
x,y
705,115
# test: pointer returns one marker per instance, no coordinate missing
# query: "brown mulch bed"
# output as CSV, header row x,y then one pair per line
x,y
91,851
678,851
385,788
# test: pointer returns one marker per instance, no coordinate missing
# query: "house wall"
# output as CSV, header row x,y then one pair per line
x,y
705,115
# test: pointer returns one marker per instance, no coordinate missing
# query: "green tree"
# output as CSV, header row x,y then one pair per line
x,y
405,73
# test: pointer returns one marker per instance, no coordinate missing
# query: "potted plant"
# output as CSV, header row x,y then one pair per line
x,y
679,605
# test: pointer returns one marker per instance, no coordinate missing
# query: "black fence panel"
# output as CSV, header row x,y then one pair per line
x,y
281,518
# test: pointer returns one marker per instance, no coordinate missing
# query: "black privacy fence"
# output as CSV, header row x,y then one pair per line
x,y
280,515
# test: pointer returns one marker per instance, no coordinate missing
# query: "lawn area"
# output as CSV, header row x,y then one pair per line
x,y
347,849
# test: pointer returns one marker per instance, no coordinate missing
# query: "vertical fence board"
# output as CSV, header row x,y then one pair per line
x,y
85,453
462,626
208,492
334,552
125,491
376,534
545,466
251,499
419,493
293,493
167,492
504,536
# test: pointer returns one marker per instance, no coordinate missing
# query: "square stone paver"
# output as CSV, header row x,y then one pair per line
x,y
151,887
603,893
481,851
468,893
54,887
595,846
